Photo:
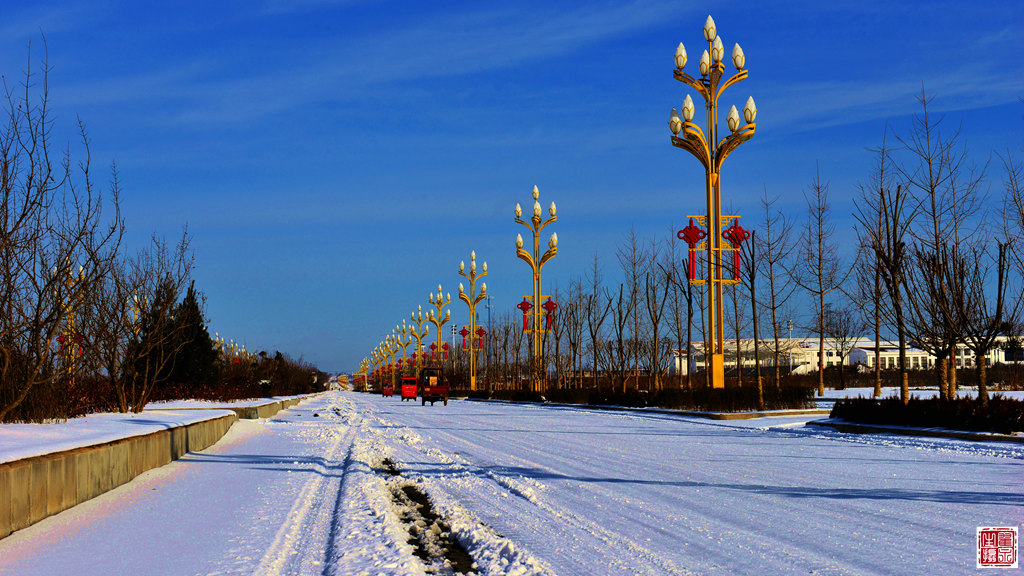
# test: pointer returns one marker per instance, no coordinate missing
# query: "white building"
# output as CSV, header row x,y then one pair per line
x,y
801,355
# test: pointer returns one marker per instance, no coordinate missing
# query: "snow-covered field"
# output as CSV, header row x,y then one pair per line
x,y
330,487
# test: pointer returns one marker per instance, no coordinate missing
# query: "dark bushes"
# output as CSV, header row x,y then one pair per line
x,y
1004,415
733,399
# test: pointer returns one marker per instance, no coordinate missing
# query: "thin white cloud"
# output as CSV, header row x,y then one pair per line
x,y
443,46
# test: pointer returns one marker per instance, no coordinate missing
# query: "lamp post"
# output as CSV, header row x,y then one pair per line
x,y
471,300
378,363
536,261
404,338
419,333
69,342
439,320
711,151
391,348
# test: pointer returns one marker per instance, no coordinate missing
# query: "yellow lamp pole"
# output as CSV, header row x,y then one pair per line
x,y
536,261
404,338
68,301
378,361
711,152
391,348
472,300
419,333
437,319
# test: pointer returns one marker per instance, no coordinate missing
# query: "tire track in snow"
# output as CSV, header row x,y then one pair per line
x,y
298,546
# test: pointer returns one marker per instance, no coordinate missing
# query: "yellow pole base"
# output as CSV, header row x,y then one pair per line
x,y
718,370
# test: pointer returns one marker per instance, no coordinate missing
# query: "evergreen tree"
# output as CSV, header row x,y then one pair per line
x,y
195,364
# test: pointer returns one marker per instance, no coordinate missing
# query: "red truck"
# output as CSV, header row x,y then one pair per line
x,y
408,388
433,386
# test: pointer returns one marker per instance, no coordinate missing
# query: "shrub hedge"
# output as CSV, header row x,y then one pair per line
x,y
1000,414
733,399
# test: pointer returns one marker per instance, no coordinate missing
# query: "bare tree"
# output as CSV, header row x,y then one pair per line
x,y
655,296
620,352
53,244
818,265
885,227
775,250
597,305
985,314
873,305
159,276
842,327
573,317
946,190
631,255
749,277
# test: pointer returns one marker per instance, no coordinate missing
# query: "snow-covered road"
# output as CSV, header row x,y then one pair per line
x,y
329,487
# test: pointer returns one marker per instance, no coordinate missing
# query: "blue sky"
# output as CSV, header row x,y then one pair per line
x,y
335,160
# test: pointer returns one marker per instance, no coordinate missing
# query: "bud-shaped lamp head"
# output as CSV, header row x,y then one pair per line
x,y
675,123
717,50
519,240
519,210
710,31
750,111
688,109
554,240
738,59
733,119
705,63
680,56
536,192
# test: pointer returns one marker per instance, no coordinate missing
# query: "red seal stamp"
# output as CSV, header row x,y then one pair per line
x,y
997,547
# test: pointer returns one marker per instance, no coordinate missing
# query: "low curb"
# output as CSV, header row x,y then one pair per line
x,y
856,428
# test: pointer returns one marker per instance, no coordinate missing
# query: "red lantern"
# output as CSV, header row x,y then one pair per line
x,y
692,235
549,306
464,333
525,306
735,235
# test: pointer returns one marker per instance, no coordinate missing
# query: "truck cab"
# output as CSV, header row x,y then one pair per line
x,y
433,386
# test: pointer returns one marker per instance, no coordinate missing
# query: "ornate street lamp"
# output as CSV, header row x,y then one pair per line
x,y
439,320
391,347
419,333
404,338
536,261
711,151
471,300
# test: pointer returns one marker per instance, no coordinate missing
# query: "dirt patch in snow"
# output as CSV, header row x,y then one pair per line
x,y
429,535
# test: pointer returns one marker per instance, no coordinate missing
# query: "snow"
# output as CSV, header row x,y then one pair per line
x,y
538,490
207,404
19,441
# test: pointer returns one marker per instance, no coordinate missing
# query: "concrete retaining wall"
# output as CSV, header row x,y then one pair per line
x,y
253,412
33,488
